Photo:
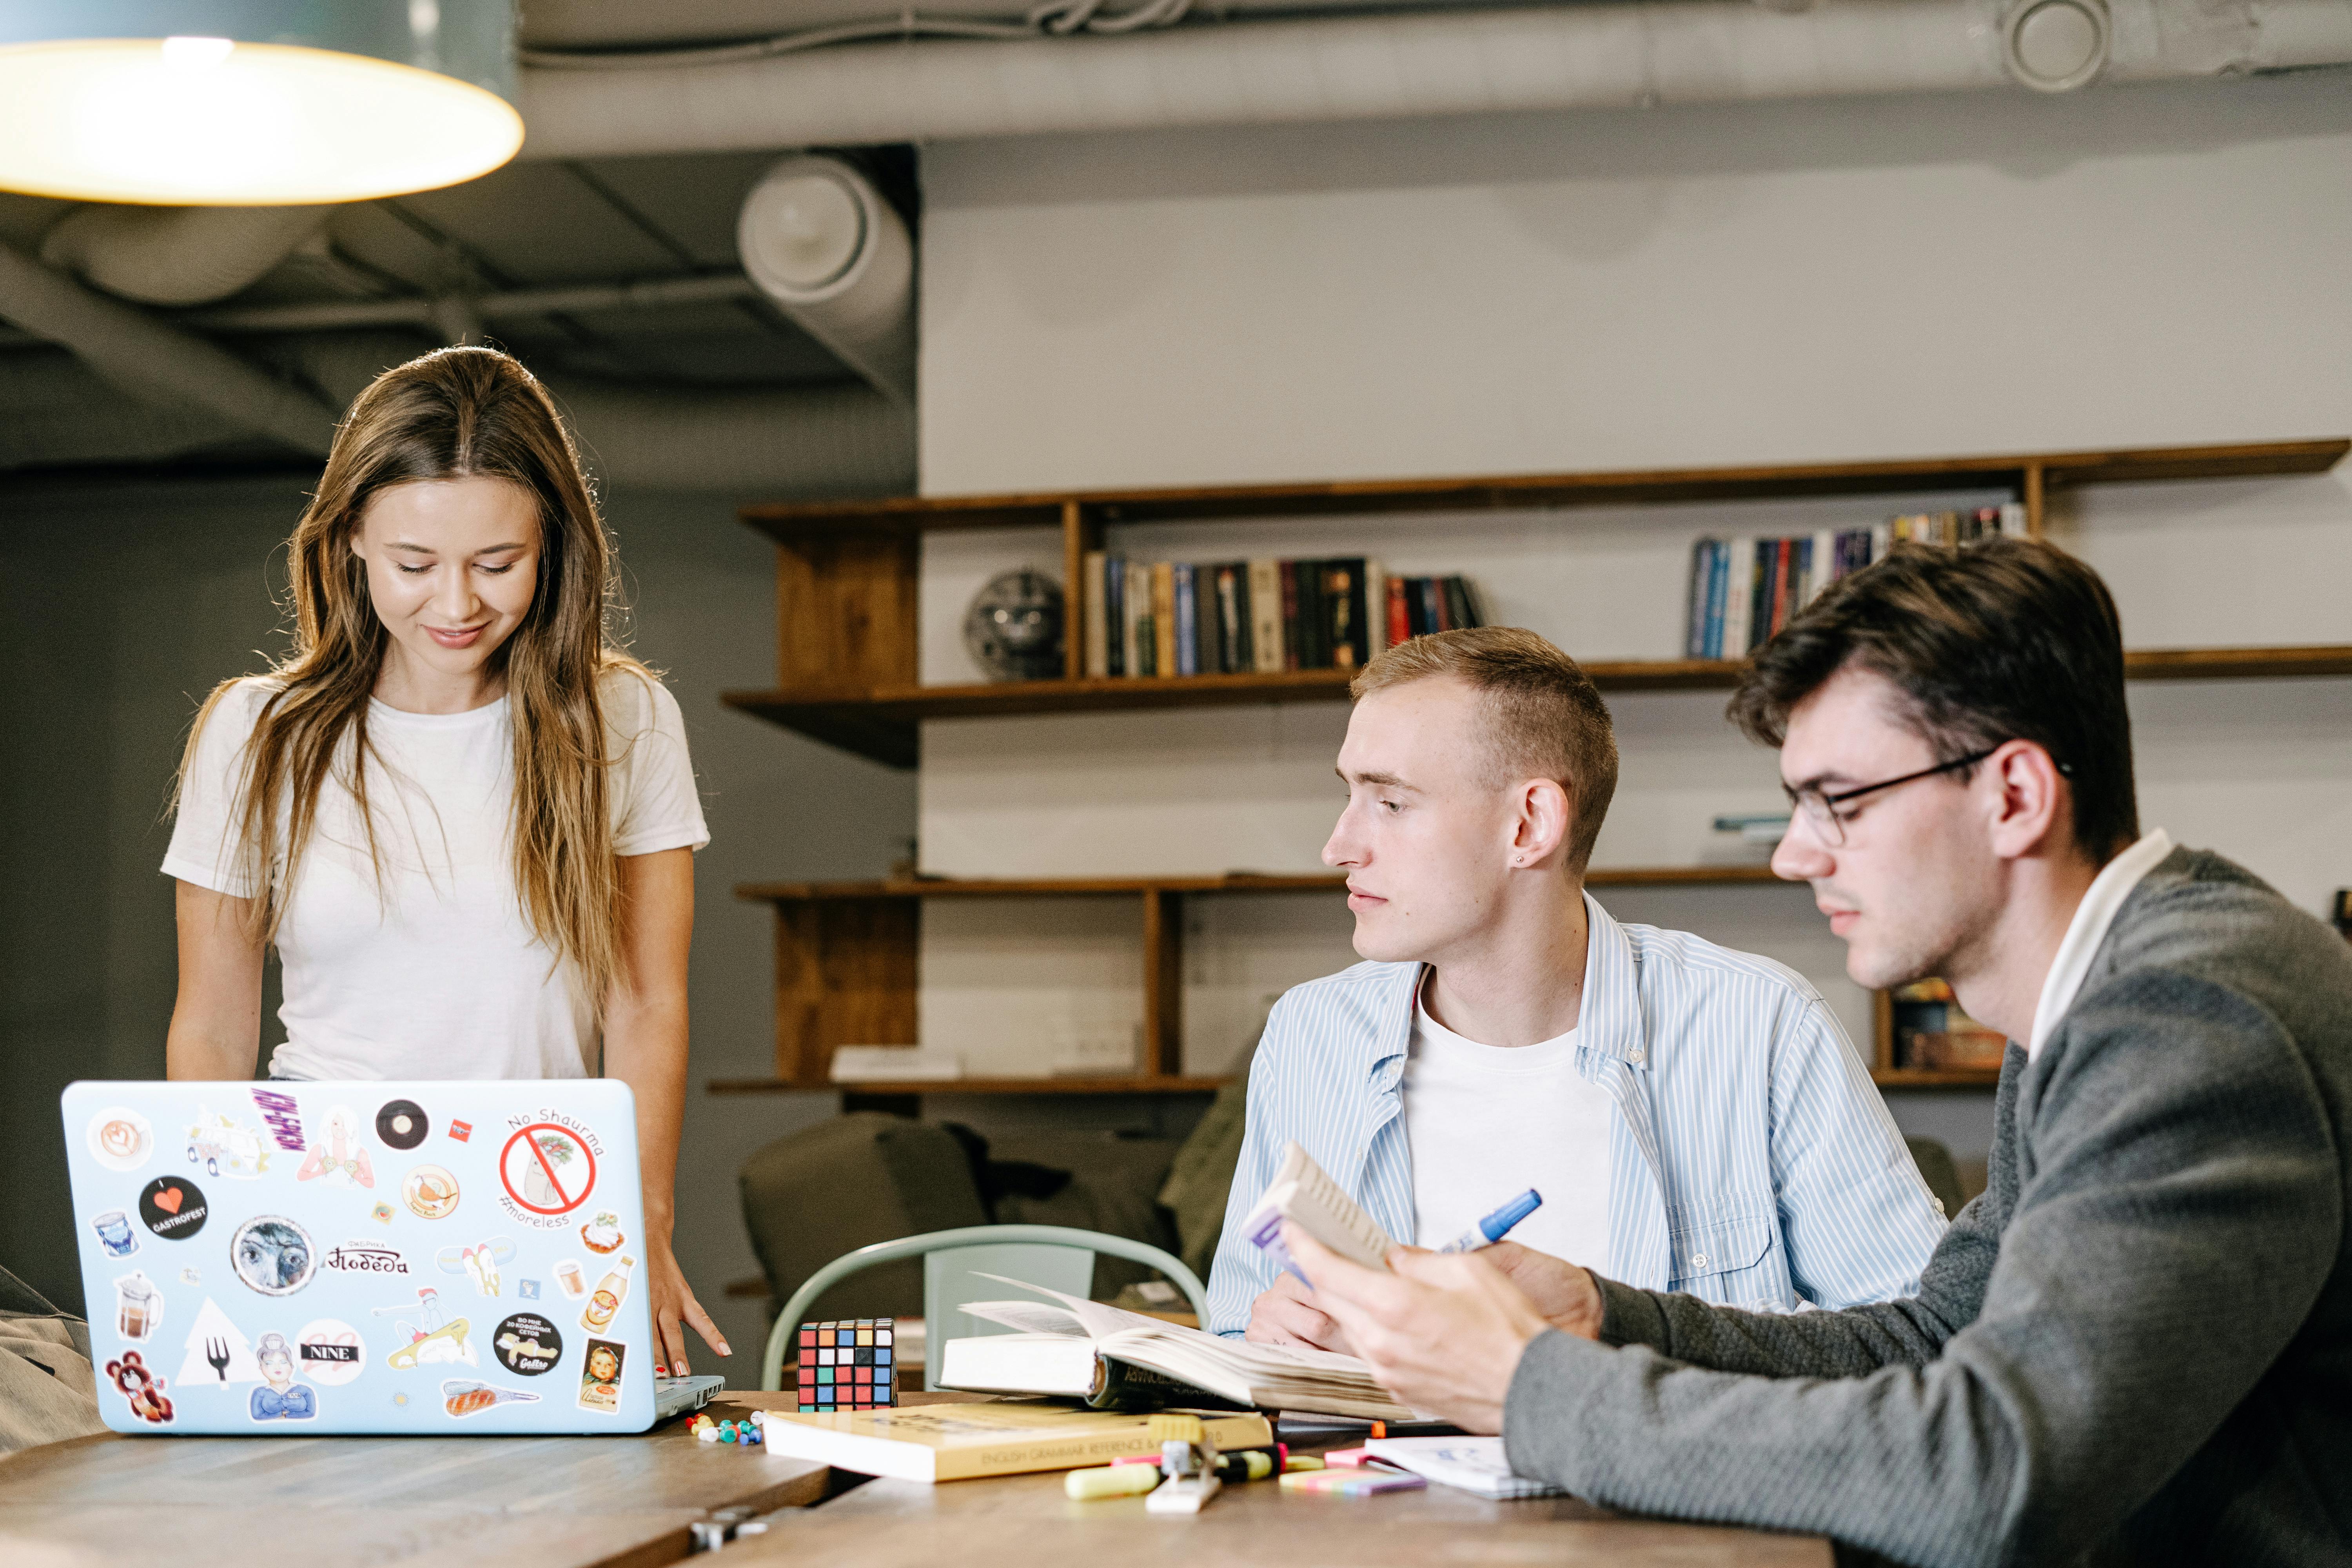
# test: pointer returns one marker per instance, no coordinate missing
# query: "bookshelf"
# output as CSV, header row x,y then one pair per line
x,y
847,959
847,579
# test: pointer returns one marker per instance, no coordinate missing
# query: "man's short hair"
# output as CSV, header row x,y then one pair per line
x,y
1544,717
2007,639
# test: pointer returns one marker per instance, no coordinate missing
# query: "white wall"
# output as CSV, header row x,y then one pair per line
x,y
1754,283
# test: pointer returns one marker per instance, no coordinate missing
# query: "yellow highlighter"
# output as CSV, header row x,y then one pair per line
x,y
1111,1480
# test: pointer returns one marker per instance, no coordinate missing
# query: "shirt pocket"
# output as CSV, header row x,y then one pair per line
x,y
1717,1245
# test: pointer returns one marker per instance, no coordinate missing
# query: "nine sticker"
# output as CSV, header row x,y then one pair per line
x,y
120,1139
331,1353
172,1207
272,1255
528,1345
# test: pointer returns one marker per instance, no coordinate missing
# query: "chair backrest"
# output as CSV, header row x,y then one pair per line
x,y
954,1274
1024,1246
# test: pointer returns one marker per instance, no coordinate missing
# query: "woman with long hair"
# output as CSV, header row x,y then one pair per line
x,y
465,818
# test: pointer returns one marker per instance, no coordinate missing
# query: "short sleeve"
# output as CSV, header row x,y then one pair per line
x,y
206,847
654,803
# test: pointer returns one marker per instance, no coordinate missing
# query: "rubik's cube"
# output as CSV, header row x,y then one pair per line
x,y
845,1365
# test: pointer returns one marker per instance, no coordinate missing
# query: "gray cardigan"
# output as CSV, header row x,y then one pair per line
x,y
2136,1346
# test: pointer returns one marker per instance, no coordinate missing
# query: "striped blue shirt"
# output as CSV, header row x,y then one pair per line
x,y
1752,1162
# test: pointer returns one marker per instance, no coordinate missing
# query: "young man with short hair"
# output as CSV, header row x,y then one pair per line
x,y
2136,1346
1692,1117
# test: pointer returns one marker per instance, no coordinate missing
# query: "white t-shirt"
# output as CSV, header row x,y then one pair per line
x,y
1487,1122
439,977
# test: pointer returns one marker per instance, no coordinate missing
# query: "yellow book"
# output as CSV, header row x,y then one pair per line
x,y
1163,617
992,1438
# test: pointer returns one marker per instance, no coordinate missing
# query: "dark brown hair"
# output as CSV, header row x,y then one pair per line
x,y
2007,639
454,413
1544,715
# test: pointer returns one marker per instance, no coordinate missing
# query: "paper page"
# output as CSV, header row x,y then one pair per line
x,y
1472,1464
1097,1319
1029,1318
1304,1193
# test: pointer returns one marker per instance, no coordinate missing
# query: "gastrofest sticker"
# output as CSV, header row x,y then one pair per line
x,y
120,1139
172,1207
547,1168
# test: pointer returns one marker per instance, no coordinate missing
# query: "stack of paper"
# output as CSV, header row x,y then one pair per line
x,y
1474,1464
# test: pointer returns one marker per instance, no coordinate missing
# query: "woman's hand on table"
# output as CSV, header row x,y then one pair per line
x,y
674,1308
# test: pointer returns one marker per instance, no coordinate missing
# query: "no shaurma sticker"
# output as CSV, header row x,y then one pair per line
x,y
548,1171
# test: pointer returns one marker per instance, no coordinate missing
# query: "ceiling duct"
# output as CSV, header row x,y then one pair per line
x,y
177,256
834,255
1599,56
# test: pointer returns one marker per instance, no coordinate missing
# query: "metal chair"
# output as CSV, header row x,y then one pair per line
x,y
1053,1255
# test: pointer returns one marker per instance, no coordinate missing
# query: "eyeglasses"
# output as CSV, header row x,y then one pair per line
x,y
1820,810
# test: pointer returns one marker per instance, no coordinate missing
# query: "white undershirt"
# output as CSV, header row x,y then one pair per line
x,y
2088,928
1487,1122
437,975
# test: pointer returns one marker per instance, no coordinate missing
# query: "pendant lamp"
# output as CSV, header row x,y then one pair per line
x,y
253,103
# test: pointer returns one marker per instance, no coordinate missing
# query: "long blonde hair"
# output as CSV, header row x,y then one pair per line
x,y
455,413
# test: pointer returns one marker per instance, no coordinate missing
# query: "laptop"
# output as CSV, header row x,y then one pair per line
x,y
290,1259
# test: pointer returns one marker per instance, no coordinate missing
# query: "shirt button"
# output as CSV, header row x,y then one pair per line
x,y
1636,1054
1699,1261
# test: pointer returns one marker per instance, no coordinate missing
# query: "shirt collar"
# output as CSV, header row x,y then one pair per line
x,y
1608,1014
2088,928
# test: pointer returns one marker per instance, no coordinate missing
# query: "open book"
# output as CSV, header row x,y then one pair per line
x,y
1302,1193
1105,1355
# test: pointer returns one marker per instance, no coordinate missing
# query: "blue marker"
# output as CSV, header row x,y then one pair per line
x,y
1496,1225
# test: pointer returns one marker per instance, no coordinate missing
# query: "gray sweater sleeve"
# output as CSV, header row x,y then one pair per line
x,y
2177,1209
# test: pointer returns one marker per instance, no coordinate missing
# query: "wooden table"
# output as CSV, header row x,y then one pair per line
x,y
1026,1521
306,1503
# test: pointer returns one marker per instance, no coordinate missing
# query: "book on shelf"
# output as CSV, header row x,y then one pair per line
x,y
1106,1355
930,1443
1261,616
1932,1034
1744,591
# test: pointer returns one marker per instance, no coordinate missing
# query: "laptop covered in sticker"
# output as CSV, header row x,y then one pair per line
x,y
301,1258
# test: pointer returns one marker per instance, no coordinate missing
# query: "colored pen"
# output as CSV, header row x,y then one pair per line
x,y
1496,1225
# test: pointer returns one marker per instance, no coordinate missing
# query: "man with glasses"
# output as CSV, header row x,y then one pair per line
x,y
2136,1346
1692,1118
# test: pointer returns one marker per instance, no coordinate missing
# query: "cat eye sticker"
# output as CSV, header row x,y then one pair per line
x,y
272,1255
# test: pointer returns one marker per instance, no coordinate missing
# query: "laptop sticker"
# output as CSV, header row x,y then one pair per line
x,y
219,1356
463,1132
430,1340
279,1398
603,1234
138,1306
548,1170
272,1255
191,1275
342,1160
365,1257
330,1352
526,1288
459,1398
142,1387
380,1214
570,1280
430,1192
224,1146
282,1115
604,1301
120,1139
479,1262
402,1124
113,1230
172,1207
600,1376
528,1345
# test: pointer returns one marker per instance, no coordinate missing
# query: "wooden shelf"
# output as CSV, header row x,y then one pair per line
x,y
1947,1077
1229,882
793,524
882,725
1050,1085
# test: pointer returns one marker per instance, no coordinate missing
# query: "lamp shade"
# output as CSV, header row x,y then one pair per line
x,y
253,103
